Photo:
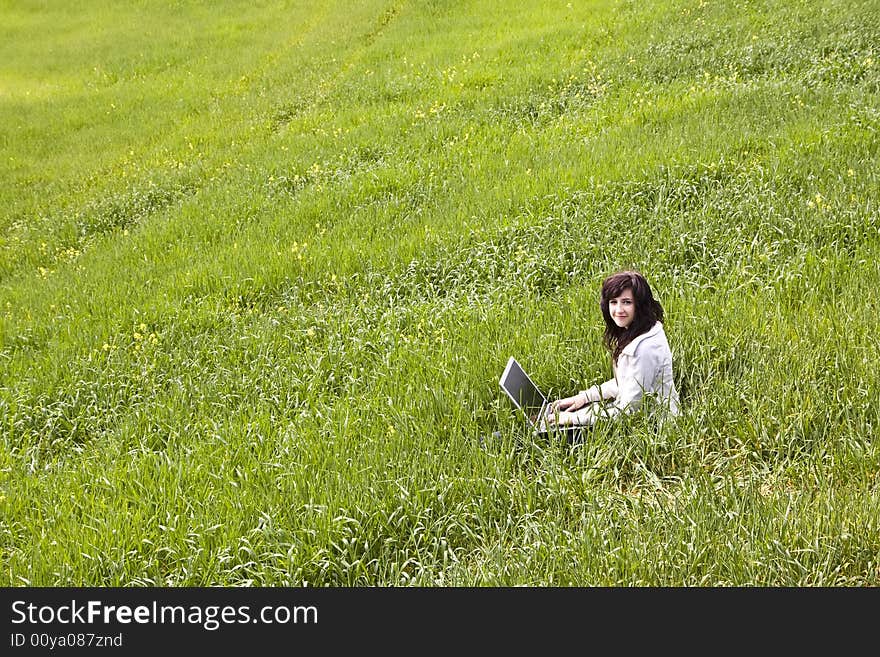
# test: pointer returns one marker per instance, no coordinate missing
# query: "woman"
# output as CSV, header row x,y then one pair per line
x,y
640,357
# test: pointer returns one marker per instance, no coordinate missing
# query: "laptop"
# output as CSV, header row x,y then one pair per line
x,y
526,396
529,399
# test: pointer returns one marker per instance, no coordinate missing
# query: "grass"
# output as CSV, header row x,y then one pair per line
x,y
260,266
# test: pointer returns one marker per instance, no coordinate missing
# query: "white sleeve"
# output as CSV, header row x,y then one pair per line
x,y
590,413
600,391
595,410
635,376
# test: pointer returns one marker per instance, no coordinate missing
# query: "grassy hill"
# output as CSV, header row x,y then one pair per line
x,y
261,265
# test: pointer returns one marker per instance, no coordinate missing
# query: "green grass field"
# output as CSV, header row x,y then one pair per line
x,y
261,265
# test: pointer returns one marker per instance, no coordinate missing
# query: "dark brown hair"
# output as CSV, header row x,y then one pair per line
x,y
647,309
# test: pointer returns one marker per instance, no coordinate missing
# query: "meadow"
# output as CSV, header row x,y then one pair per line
x,y
261,266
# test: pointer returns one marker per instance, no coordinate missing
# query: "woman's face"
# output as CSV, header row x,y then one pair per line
x,y
622,308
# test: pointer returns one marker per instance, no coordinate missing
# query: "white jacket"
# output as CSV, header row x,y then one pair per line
x,y
644,367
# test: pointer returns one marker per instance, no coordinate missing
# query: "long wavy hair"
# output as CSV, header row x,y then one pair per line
x,y
647,309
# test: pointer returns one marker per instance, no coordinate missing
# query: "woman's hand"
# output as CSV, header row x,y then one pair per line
x,y
561,406
562,418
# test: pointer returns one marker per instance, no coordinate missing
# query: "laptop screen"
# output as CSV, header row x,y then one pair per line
x,y
520,388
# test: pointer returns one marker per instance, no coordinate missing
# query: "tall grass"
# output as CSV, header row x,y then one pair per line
x,y
261,265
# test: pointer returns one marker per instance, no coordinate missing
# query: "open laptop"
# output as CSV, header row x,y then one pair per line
x,y
526,396
529,399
